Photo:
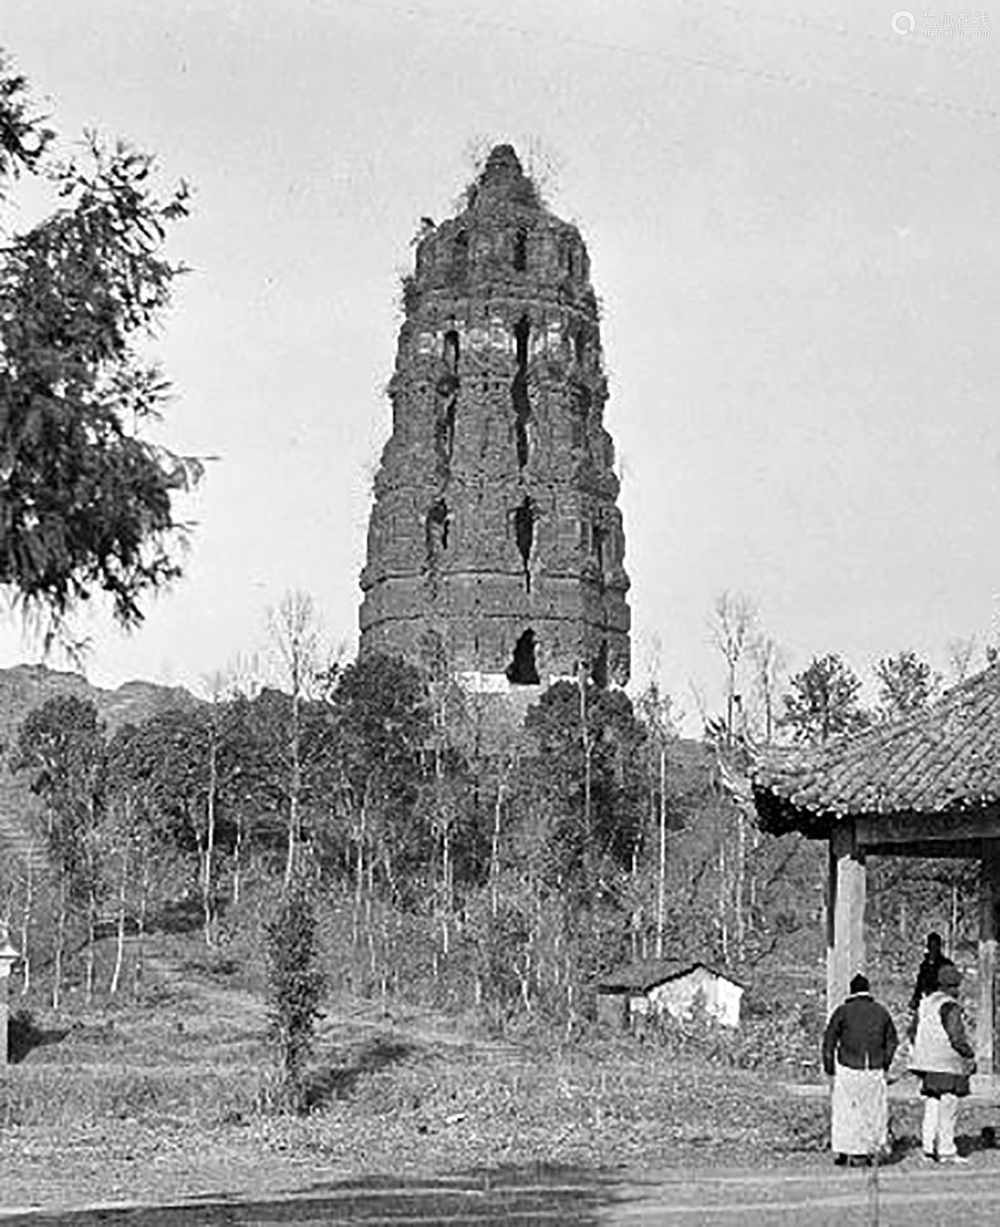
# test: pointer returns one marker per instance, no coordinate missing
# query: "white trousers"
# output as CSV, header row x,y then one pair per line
x,y
939,1125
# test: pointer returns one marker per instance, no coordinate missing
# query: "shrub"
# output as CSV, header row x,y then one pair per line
x,y
295,988
778,1042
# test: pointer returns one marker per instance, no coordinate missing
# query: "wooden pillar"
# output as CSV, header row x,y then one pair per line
x,y
8,957
986,1013
845,913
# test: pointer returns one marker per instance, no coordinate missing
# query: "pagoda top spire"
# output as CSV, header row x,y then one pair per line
x,y
503,181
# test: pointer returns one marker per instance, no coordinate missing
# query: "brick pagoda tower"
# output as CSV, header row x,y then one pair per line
x,y
495,543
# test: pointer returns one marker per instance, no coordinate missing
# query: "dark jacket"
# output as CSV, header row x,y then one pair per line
x,y
860,1035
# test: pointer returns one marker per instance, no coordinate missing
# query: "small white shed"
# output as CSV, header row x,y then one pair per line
x,y
659,986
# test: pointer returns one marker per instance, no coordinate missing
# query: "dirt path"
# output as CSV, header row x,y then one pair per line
x,y
906,1196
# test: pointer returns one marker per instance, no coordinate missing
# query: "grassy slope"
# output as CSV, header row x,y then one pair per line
x,y
169,1098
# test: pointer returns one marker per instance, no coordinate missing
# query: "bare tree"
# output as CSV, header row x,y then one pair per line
x,y
733,627
655,709
240,681
215,685
734,631
768,668
295,636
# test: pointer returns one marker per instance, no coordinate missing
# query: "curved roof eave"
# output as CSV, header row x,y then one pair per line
x,y
942,759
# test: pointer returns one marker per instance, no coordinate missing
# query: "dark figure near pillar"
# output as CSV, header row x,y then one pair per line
x,y
927,975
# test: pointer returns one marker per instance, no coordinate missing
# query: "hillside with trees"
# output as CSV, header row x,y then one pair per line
x,y
458,855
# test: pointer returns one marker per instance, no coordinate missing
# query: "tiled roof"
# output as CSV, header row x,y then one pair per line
x,y
944,758
638,977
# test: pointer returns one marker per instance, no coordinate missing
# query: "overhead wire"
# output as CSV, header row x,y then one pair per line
x,y
766,76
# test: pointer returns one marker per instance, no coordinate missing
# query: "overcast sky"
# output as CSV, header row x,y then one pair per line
x,y
792,215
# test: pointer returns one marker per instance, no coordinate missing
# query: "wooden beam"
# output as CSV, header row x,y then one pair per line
x,y
942,849
914,827
845,913
989,929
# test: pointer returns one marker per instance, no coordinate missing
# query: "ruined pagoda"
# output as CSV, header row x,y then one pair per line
x,y
495,544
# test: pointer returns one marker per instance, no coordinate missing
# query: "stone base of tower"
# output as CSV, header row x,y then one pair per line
x,y
488,629
493,654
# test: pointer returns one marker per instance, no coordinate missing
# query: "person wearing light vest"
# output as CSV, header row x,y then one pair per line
x,y
944,1059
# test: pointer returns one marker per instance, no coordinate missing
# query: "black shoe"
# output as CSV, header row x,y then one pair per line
x,y
840,1160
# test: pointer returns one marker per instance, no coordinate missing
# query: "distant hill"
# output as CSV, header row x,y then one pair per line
x,y
25,687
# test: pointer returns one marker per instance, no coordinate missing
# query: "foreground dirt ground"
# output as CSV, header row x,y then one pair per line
x,y
129,1164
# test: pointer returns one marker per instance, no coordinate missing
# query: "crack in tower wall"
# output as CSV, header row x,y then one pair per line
x,y
519,389
495,507
524,535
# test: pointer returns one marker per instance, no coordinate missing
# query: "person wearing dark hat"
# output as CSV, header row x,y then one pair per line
x,y
934,959
944,1059
858,1046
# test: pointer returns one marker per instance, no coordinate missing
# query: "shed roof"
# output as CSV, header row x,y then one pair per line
x,y
945,758
642,976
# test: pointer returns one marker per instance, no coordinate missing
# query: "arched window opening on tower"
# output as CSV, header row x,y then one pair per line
x,y
522,670
444,419
460,256
580,347
600,540
524,535
519,389
437,524
583,399
450,353
520,251
599,669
